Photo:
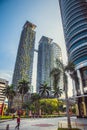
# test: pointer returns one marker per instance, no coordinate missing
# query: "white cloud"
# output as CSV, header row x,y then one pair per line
x,y
7,75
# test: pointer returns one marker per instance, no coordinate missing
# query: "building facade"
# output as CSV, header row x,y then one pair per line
x,y
48,52
44,60
3,85
74,19
24,60
56,53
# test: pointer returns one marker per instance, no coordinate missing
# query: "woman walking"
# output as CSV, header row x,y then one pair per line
x,y
18,122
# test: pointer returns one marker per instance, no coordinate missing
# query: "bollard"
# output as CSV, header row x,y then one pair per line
x,y
7,127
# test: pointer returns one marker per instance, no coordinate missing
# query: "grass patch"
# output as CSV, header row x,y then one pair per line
x,y
68,129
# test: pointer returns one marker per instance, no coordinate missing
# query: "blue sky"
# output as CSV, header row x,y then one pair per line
x,y
45,14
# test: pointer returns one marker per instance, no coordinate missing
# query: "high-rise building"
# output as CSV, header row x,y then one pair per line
x,y
56,53
25,54
3,85
48,52
74,19
44,60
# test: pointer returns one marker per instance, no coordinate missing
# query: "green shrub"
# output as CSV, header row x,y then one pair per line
x,y
6,117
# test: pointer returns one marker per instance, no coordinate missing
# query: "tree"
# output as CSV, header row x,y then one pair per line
x,y
35,100
44,90
56,77
23,88
56,72
9,93
57,92
68,68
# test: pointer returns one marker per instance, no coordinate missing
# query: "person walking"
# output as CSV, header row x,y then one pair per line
x,y
18,122
7,127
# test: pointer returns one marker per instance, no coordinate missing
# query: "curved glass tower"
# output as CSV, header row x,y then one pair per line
x,y
74,19
74,15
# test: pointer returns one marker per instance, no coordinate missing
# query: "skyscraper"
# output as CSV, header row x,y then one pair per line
x,y
56,53
74,19
43,65
25,54
48,52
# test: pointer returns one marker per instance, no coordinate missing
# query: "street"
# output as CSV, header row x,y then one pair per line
x,y
43,123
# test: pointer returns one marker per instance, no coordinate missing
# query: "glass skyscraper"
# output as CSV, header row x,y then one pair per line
x,y
56,53
24,60
44,60
48,52
74,19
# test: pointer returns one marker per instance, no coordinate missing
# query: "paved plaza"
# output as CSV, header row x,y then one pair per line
x,y
44,123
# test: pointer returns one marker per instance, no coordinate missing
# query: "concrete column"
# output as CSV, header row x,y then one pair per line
x,y
84,107
80,81
77,110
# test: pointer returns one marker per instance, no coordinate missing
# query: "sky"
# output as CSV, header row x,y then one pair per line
x,y
45,14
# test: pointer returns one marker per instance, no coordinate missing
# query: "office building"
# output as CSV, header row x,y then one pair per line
x,y
56,53
74,19
48,52
24,60
44,60
3,85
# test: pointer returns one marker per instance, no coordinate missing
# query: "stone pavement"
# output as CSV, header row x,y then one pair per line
x,y
44,123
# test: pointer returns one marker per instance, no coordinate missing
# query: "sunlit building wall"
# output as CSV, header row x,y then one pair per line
x,y
24,60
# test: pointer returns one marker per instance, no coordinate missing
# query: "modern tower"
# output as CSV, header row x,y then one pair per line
x,y
48,52
74,19
56,53
24,60
44,60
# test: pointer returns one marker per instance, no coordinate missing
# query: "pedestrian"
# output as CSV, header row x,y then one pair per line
x,y
18,122
7,127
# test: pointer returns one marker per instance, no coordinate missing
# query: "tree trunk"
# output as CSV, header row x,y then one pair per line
x,y
22,98
67,109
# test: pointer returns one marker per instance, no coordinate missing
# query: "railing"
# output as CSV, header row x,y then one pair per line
x,y
81,126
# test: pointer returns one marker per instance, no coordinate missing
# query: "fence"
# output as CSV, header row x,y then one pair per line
x,y
81,126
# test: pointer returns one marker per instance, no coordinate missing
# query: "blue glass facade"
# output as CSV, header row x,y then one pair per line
x,y
44,61
74,16
74,19
48,52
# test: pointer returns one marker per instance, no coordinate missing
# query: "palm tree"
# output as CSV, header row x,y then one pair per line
x,y
44,90
57,92
56,77
70,68
64,69
35,100
9,93
23,88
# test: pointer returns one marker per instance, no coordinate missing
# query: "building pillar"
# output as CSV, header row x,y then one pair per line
x,y
84,106
80,82
77,110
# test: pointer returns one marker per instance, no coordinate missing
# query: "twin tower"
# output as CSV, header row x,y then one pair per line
x,y
48,52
